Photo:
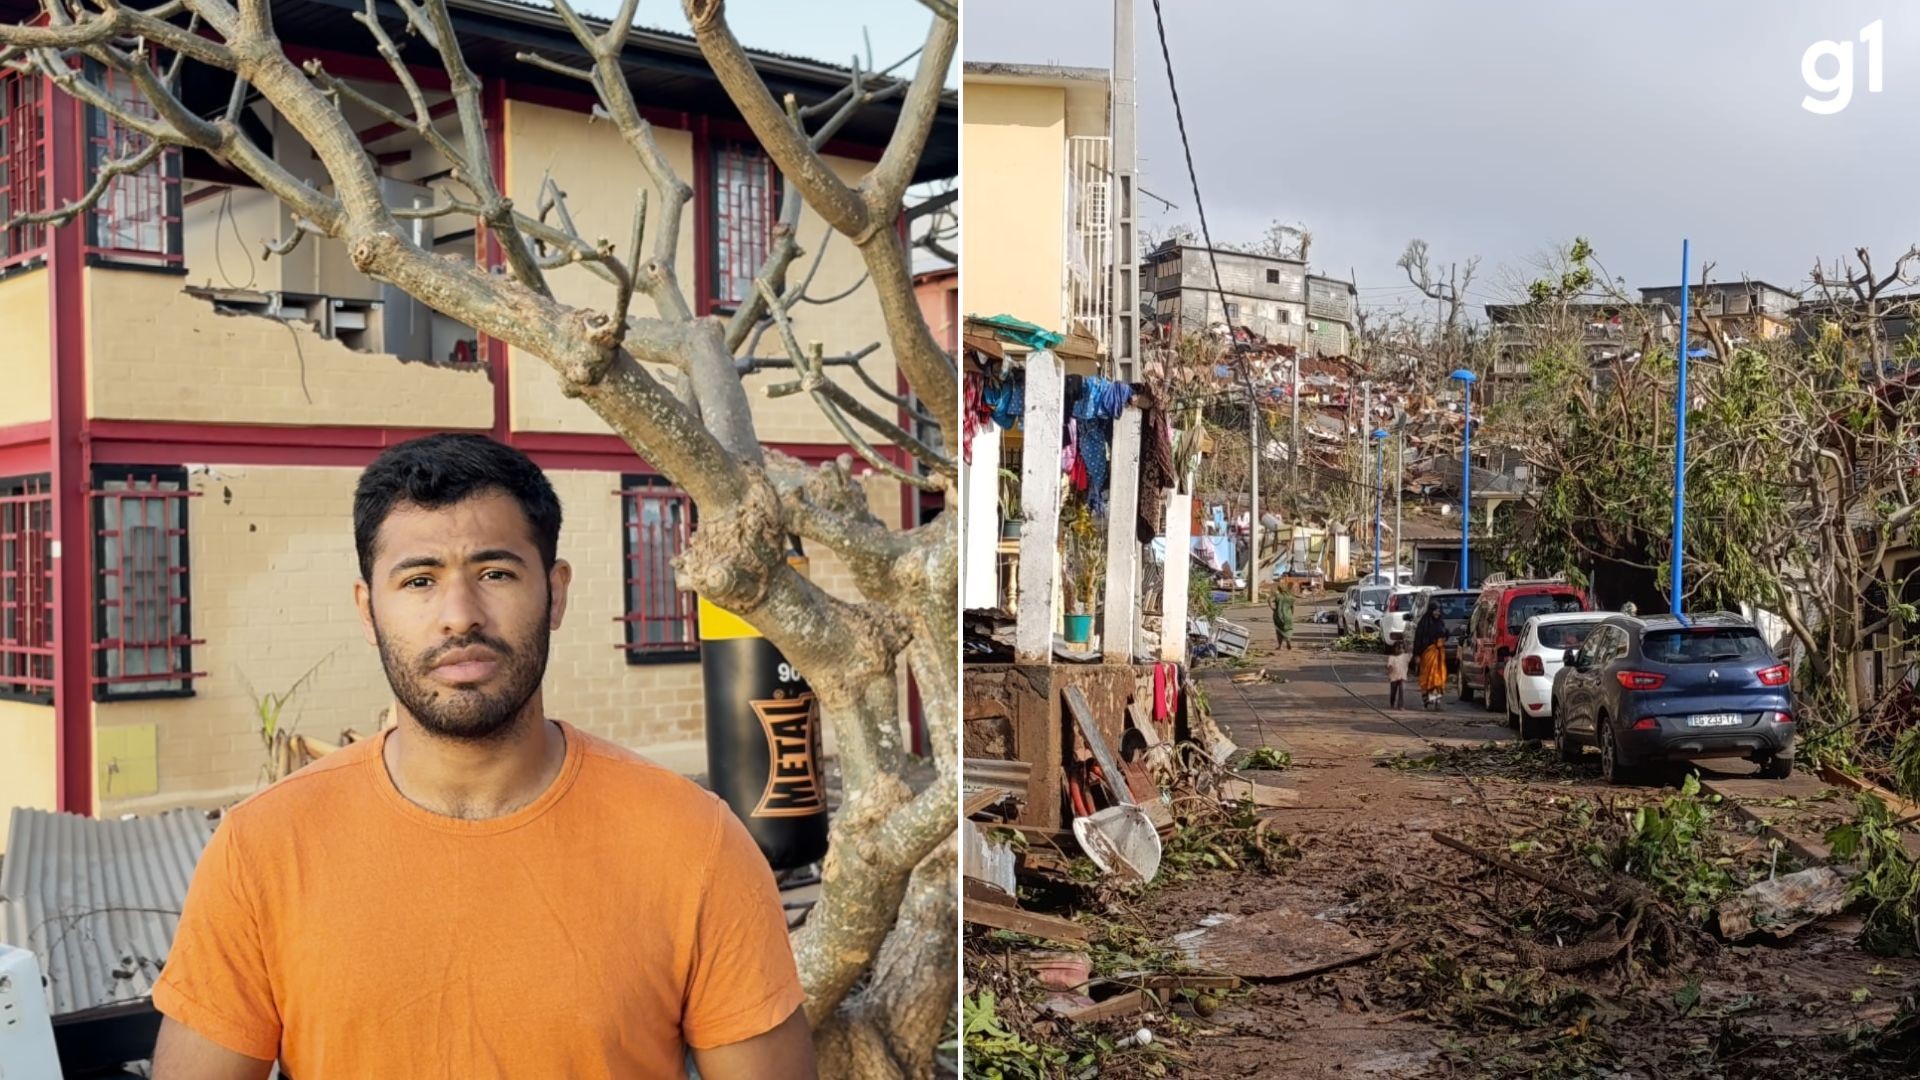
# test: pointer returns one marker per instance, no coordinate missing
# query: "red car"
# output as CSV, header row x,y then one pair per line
x,y
1493,632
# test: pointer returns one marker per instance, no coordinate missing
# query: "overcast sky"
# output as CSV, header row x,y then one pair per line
x,y
1501,128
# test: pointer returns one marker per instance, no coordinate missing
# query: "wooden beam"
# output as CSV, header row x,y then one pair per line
x,y
1039,508
1030,923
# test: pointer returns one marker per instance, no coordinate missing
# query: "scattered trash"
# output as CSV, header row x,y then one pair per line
x,y
1121,841
1781,905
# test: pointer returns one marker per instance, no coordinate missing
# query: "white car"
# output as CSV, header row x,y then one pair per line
x,y
1392,578
1362,608
1403,606
1536,659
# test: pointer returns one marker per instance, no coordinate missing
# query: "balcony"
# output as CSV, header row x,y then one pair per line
x,y
1089,237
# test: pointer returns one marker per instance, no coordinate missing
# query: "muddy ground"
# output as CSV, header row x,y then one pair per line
x,y
1459,986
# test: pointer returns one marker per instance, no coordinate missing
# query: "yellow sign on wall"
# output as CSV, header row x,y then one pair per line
x,y
126,760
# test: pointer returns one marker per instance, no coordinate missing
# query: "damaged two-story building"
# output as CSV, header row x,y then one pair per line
x,y
184,417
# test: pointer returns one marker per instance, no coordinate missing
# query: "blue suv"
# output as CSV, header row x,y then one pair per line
x,y
1665,688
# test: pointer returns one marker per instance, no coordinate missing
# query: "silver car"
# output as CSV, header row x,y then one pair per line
x,y
1362,608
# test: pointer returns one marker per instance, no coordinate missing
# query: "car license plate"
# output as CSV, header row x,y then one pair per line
x,y
1713,720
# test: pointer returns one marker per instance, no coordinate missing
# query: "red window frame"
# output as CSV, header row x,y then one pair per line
x,y
26,589
661,620
26,163
142,642
745,189
138,219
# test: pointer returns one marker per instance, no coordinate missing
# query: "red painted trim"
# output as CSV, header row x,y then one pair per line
x,y
29,459
71,469
21,434
368,67
737,129
702,216
493,109
150,442
554,97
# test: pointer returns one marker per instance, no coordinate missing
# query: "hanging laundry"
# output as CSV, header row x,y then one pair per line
x,y
1096,448
1156,463
975,413
1069,451
1007,400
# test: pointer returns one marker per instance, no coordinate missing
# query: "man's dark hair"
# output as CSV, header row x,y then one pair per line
x,y
441,470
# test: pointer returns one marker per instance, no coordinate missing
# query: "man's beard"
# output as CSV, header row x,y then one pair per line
x,y
468,713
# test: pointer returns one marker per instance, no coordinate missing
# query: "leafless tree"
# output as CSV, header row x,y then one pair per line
x,y
1449,293
885,920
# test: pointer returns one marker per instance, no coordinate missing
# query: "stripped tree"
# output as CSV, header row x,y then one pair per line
x,y
670,384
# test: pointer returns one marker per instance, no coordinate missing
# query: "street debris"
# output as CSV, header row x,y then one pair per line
x,y
1271,945
1779,906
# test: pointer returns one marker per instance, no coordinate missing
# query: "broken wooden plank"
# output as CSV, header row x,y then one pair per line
x,y
1899,806
1127,1004
986,893
1262,795
1109,767
1022,921
1272,945
1779,906
985,797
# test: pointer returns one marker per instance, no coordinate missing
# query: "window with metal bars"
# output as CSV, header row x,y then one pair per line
x,y
24,164
661,620
142,642
138,219
26,589
746,205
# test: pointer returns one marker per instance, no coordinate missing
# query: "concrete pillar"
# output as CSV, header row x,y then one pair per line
x,y
1039,508
1120,626
980,522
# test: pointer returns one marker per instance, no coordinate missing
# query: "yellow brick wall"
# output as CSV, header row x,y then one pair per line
x,y
1013,204
26,395
155,353
27,763
272,567
602,178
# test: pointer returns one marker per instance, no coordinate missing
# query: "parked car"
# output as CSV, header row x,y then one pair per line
x,y
1397,621
1391,578
1667,689
1456,605
1361,608
1537,658
1493,631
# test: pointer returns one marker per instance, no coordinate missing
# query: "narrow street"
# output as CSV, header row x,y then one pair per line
x,y
1458,987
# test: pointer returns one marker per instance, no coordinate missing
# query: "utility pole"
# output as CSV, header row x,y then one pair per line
x,y
1399,484
1253,514
1123,337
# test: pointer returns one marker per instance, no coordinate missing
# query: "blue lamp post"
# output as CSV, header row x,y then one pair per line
x,y
1380,497
1680,436
1467,379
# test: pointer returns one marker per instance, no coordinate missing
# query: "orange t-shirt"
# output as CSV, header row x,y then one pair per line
x,y
600,931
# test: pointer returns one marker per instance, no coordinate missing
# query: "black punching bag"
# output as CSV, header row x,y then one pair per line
x,y
763,740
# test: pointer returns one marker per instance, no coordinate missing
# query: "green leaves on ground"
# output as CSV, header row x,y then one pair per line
x,y
1889,880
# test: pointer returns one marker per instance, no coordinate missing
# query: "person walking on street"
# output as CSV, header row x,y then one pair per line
x,y
1397,658
1430,649
1282,604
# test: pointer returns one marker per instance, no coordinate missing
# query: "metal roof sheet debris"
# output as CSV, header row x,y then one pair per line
x,y
98,901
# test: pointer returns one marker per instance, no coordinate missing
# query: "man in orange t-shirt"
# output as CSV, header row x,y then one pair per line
x,y
480,892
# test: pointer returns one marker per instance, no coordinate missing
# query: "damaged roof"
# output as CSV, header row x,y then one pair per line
x,y
97,901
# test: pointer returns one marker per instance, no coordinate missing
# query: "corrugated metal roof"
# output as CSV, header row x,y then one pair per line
x,y
98,901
